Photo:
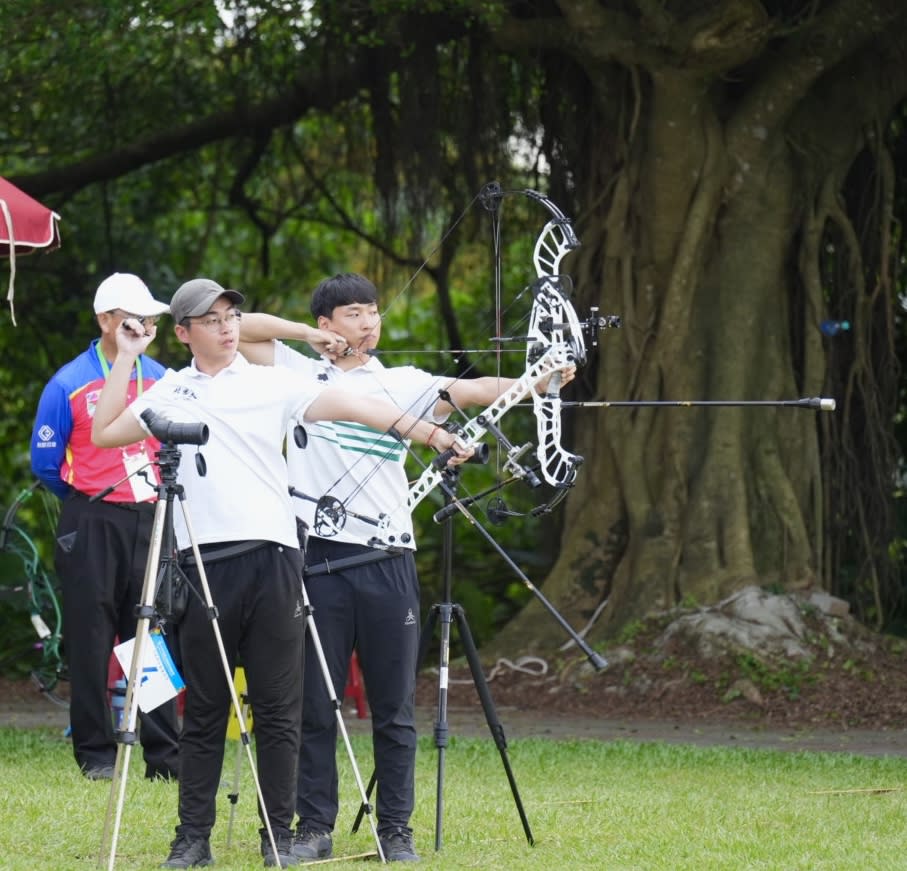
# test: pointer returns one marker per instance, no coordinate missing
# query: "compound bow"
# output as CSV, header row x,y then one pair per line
x,y
554,340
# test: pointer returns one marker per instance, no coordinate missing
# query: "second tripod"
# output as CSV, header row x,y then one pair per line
x,y
446,613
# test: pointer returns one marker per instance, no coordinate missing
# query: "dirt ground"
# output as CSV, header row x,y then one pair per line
x,y
803,676
854,705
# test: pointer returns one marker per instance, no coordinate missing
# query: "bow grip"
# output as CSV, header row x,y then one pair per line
x,y
480,456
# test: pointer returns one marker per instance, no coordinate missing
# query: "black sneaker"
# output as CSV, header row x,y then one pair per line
x,y
99,772
285,856
309,845
189,852
397,846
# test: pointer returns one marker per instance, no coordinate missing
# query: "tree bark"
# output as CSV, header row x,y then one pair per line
x,y
707,218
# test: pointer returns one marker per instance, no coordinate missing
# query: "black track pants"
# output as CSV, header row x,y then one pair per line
x,y
373,608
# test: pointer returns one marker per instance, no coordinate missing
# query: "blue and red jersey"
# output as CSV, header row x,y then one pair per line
x,y
62,454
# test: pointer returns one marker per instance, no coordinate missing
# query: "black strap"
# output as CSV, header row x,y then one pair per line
x,y
330,566
212,553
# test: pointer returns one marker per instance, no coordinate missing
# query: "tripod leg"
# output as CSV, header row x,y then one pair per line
x,y
127,736
491,716
234,796
424,640
445,611
329,685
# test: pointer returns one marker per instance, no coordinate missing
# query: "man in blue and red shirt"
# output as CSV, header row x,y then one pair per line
x,y
102,546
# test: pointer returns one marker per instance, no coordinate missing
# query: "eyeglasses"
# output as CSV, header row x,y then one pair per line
x,y
144,320
215,323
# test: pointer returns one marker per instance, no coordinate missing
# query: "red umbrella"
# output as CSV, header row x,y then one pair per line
x,y
25,226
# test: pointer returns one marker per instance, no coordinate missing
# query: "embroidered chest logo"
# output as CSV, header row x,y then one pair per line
x,y
184,392
91,400
410,618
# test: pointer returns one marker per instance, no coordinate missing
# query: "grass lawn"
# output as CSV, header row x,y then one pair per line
x,y
590,805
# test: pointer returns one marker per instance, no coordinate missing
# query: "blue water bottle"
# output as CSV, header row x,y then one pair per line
x,y
833,328
118,703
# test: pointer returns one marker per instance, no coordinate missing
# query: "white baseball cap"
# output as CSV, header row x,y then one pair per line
x,y
129,293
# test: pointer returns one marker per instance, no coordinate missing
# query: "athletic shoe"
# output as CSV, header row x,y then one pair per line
x,y
309,844
397,846
99,772
285,856
189,852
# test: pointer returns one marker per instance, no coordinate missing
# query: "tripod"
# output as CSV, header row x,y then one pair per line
x,y
162,573
446,612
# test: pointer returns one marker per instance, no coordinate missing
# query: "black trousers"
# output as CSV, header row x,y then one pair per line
x,y
373,608
258,596
100,558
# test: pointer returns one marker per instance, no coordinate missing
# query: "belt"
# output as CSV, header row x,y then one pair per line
x,y
330,566
212,553
143,507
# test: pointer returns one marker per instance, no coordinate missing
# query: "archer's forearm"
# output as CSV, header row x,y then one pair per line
x,y
335,404
474,391
260,327
112,425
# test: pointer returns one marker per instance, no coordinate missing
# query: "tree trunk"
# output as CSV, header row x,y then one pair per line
x,y
710,251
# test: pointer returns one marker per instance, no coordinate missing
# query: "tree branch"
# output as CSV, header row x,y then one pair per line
x,y
826,41
322,89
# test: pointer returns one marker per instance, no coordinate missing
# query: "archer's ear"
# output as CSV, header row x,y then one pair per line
x,y
182,333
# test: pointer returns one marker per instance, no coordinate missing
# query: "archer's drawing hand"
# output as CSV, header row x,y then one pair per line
x,y
327,344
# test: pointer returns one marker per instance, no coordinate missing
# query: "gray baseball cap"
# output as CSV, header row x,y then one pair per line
x,y
196,297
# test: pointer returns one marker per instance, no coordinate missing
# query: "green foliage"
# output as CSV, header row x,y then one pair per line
x,y
630,631
790,676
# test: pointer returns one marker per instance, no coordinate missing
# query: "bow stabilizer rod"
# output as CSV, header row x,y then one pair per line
x,y
598,662
817,403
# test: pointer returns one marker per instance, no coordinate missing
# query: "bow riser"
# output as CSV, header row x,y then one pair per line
x,y
474,430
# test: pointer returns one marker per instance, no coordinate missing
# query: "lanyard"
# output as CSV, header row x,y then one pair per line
x,y
105,368
142,490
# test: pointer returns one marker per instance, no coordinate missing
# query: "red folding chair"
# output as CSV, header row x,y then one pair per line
x,y
355,688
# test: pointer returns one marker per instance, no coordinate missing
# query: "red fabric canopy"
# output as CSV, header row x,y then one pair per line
x,y
25,226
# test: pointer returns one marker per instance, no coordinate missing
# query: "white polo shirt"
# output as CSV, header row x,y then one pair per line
x,y
245,493
360,467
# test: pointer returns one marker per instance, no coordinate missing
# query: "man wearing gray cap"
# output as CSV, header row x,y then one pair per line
x,y
102,545
245,527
